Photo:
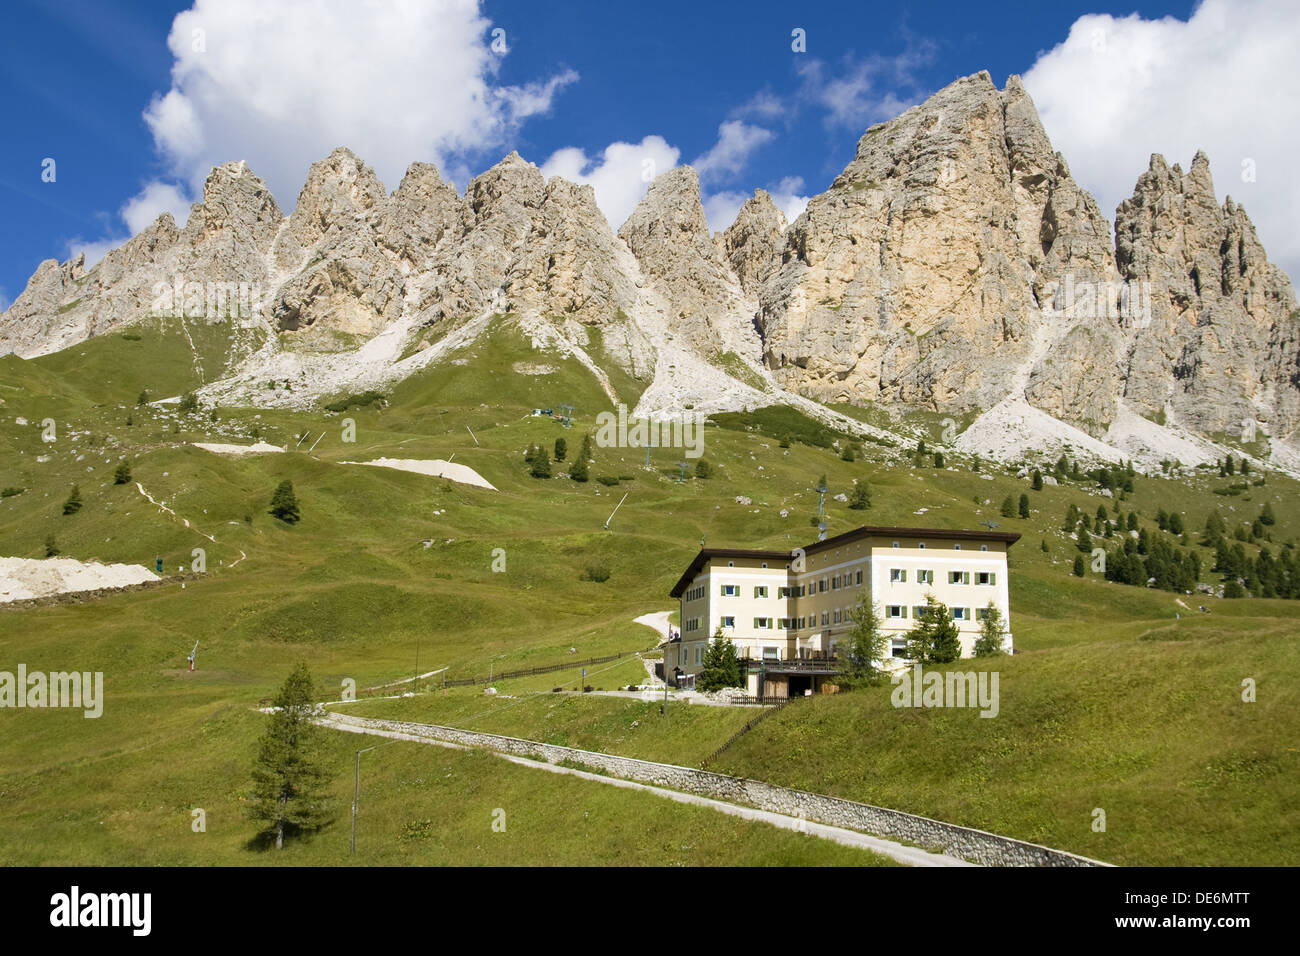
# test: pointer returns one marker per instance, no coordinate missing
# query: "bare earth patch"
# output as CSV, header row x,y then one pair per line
x,y
25,578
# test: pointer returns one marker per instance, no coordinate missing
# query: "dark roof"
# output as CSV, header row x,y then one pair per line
x,y
705,553
865,531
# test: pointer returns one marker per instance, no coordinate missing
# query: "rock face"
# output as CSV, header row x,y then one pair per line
x,y
1220,350
925,276
668,234
753,243
954,266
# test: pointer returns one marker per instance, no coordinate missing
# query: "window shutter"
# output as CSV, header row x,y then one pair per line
x,y
993,577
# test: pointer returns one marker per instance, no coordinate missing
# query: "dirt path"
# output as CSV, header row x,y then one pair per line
x,y
186,522
912,856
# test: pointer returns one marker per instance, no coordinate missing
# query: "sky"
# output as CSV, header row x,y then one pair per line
x,y
114,112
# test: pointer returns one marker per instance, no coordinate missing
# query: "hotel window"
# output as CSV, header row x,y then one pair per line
x,y
837,616
764,565
895,544
728,622
760,591
981,613
681,655
835,583
698,658
826,618
771,653
895,611
986,577
859,576
803,622
783,624
918,610
731,590
898,648
984,547
959,577
763,623
897,576
956,547
731,564
961,614
821,586
924,576
920,545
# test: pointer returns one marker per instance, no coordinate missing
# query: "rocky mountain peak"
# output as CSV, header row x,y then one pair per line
x,y
340,190
753,243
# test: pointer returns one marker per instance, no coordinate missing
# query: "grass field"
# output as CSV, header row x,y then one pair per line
x,y
390,572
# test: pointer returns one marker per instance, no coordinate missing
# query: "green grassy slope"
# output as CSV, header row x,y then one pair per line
x,y
387,565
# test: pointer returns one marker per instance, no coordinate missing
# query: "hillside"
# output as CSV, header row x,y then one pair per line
x,y
390,571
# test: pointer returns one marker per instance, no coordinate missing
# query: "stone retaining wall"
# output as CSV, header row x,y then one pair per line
x,y
978,846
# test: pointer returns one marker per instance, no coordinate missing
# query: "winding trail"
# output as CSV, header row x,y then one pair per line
x,y
186,522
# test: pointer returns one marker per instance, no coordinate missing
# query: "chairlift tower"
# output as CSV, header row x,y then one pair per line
x,y
821,510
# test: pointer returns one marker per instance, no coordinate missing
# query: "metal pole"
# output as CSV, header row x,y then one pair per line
x,y
471,434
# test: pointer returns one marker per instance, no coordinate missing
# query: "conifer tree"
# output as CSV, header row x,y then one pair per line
x,y
1024,506
284,504
866,642
989,643
288,794
73,504
561,449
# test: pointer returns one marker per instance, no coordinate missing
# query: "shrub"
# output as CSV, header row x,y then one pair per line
x,y
14,490
608,481
51,549
73,504
847,454
360,400
123,473
703,469
189,402
143,398
596,572
860,500
938,460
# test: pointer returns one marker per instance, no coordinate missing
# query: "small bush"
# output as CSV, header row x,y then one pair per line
x,y
607,480
11,491
596,572
360,400
703,469
123,473
73,504
189,402
51,549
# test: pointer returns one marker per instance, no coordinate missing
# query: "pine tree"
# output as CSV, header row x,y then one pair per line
x,y
1132,521
938,460
1024,506
847,454
123,474
1038,480
578,470
561,449
143,399
1230,466
721,665
866,643
1176,523
703,469
585,453
1043,543
284,504
860,499
1085,540
541,464
73,504
289,784
1008,507
1266,515
1071,518
989,643
51,548
1079,566
934,639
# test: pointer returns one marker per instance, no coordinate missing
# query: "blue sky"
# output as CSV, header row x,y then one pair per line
x,y
574,80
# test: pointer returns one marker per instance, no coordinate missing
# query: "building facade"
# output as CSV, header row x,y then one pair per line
x,y
788,612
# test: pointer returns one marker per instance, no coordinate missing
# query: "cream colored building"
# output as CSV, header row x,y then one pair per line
x,y
788,611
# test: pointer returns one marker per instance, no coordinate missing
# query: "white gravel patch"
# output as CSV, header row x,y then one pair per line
x,y
257,448
436,468
23,578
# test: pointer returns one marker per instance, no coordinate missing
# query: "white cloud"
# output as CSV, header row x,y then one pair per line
x,y
620,175
1119,89
281,84
93,249
728,156
155,199
789,197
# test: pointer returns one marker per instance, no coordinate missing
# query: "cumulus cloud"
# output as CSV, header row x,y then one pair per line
x,y
728,156
620,175
1118,89
280,85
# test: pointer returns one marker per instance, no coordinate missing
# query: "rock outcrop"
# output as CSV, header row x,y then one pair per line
x,y
925,276
753,243
1220,348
